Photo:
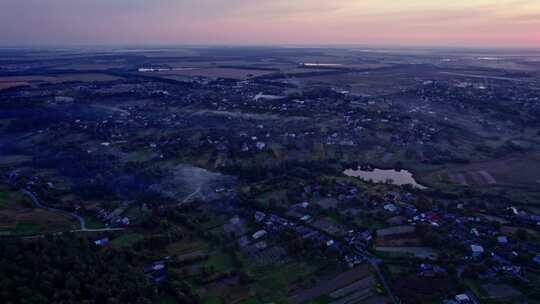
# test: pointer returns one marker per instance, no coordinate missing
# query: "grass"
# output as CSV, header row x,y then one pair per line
x,y
273,282
321,300
167,300
11,199
392,255
11,160
93,223
277,195
183,247
475,288
27,228
214,222
419,252
4,199
251,301
220,262
126,240
19,217
213,300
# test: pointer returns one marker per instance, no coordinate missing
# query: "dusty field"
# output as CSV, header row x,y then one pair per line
x,y
326,225
325,287
327,203
494,218
500,291
510,231
11,81
366,82
396,230
212,73
419,252
472,178
10,160
398,242
7,85
518,170
16,216
85,67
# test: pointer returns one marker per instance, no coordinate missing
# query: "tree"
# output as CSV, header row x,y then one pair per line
x,y
522,234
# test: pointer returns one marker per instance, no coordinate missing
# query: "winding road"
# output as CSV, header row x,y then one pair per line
x,y
81,220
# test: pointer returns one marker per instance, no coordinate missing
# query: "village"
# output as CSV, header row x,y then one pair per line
x,y
260,184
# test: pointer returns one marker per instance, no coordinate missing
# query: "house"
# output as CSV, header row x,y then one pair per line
x,y
259,216
502,240
261,245
462,298
477,250
259,234
306,218
102,242
390,208
155,266
123,221
159,276
366,236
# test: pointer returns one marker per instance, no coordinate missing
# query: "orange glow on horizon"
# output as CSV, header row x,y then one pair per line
x,y
508,23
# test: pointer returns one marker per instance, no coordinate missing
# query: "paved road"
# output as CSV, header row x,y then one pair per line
x,y
81,220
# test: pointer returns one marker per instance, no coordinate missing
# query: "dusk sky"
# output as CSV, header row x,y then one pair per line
x,y
508,23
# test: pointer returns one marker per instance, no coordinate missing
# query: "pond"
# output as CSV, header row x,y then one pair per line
x,y
396,177
310,64
267,96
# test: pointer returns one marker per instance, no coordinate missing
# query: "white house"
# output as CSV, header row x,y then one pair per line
x,y
477,250
259,234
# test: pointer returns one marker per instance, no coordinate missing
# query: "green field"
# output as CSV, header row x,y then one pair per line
x,y
126,240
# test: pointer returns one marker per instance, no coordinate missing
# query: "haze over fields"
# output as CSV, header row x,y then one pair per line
x,y
507,23
269,151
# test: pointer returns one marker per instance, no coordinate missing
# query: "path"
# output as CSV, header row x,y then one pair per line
x,y
81,220
194,193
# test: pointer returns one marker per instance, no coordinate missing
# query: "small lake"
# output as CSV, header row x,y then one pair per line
x,y
311,64
267,96
401,177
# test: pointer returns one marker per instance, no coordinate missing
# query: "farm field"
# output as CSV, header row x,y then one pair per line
x,y
86,67
355,286
517,170
419,252
232,73
364,82
17,216
501,291
11,81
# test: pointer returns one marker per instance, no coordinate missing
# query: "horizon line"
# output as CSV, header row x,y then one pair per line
x,y
263,45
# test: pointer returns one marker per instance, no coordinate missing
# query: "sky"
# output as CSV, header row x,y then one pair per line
x,y
493,23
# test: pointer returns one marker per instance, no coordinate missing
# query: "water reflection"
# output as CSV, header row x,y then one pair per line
x,y
401,177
